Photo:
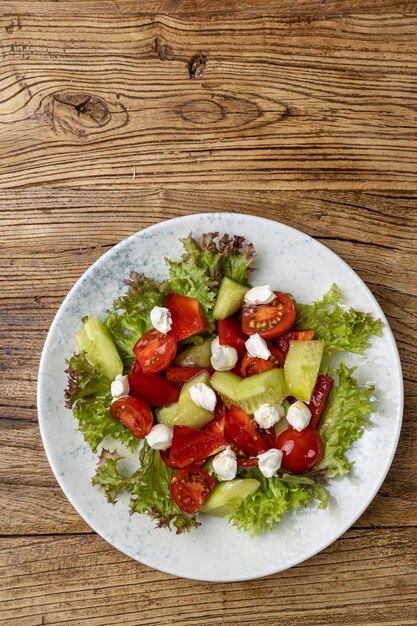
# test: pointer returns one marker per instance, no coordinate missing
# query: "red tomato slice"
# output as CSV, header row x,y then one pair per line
x,y
216,426
155,351
269,320
319,398
152,388
190,488
230,334
302,450
283,342
187,316
166,457
252,365
241,431
180,375
135,414
269,436
191,444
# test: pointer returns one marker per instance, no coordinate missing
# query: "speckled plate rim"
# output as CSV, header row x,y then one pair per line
x,y
343,528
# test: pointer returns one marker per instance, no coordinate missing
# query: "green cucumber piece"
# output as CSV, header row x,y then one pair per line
x,y
94,339
301,367
225,383
196,356
185,412
229,299
282,425
228,496
255,390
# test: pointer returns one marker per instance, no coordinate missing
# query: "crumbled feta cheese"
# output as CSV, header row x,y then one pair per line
x,y
299,415
270,462
160,437
161,319
120,386
259,295
256,346
203,396
223,358
225,464
267,415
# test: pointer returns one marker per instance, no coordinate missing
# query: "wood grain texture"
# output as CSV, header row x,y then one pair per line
x,y
366,578
306,113
283,104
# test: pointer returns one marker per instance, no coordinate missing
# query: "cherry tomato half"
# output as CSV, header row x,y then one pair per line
x,y
153,388
230,334
190,488
187,316
283,342
241,431
269,320
155,351
252,365
135,414
301,450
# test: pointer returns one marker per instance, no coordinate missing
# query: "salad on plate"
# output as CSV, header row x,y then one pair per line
x,y
234,397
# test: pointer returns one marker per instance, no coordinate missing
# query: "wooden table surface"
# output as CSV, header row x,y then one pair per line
x,y
306,113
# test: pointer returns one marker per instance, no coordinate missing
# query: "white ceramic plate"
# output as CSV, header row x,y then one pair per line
x,y
288,260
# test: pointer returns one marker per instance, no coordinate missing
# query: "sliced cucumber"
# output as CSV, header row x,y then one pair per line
x,y
225,383
227,496
280,426
301,367
229,299
185,412
255,390
94,339
196,356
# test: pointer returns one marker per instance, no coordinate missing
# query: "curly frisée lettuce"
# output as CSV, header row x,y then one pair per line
x,y
149,487
129,318
344,419
339,328
88,394
107,477
275,497
204,264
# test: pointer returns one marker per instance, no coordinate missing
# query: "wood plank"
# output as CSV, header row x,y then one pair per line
x,y
282,105
371,575
294,10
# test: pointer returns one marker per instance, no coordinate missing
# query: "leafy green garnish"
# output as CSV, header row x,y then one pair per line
x,y
275,497
151,494
84,379
88,394
107,477
204,264
345,416
129,318
340,329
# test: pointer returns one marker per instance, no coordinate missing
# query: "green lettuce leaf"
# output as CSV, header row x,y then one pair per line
x,y
343,421
88,394
108,478
150,487
204,264
84,379
275,497
129,318
340,329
